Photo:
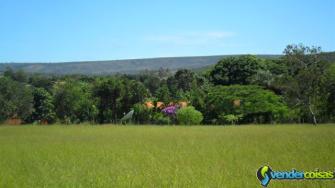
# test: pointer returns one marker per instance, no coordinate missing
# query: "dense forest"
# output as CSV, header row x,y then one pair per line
x,y
298,87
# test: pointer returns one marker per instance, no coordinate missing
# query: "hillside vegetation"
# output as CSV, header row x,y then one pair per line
x,y
131,66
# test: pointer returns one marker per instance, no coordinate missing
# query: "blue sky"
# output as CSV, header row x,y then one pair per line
x,y
72,30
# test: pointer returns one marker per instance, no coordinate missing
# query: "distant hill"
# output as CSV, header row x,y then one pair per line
x,y
130,66
328,56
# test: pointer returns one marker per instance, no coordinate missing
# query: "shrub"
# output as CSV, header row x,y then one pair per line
x,y
189,116
170,110
230,118
142,114
160,119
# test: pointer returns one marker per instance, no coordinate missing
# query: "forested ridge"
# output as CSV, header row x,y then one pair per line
x,y
128,66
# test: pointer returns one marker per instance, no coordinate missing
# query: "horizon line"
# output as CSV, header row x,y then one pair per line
x,y
144,58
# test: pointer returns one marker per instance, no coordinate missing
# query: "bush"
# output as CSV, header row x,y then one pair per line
x,y
189,116
160,119
230,118
142,114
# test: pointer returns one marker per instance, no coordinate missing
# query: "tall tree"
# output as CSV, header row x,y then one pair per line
x,y
43,106
252,103
235,70
19,75
163,94
327,95
42,81
135,92
109,93
303,80
16,99
73,101
182,82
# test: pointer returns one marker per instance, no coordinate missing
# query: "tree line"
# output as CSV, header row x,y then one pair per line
x,y
298,87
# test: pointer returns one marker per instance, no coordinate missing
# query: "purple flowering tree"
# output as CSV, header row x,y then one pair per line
x,y
170,110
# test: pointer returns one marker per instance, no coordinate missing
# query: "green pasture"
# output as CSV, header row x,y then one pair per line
x,y
161,156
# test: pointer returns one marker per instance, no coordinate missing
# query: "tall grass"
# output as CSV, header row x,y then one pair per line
x,y
161,156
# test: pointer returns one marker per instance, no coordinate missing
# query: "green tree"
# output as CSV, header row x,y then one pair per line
x,y
19,76
109,93
43,106
184,79
163,94
196,96
16,99
181,81
255,104
189,116
302,83
135,92
327,95
42,81
73,102
142,114
116,96
269,75
151,82
235,70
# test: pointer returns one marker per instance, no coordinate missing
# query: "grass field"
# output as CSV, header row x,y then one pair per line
x,y
161,156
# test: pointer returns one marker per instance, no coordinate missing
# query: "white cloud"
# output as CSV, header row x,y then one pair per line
x,y
191,38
